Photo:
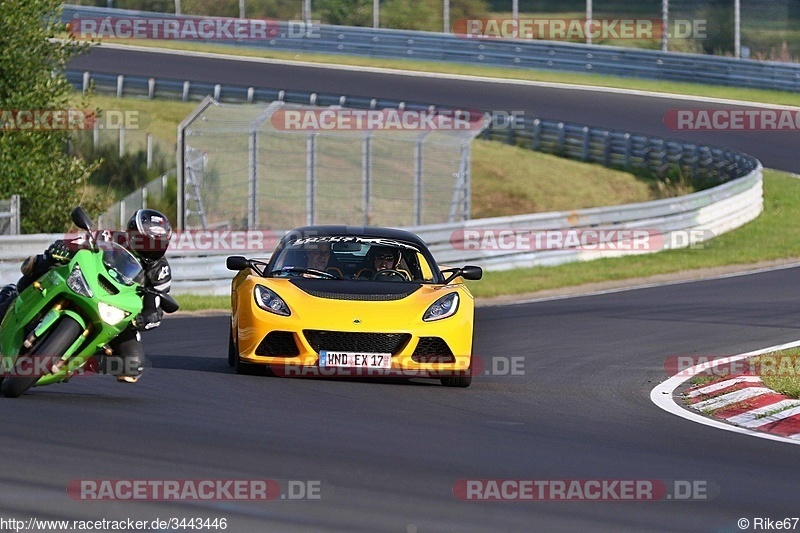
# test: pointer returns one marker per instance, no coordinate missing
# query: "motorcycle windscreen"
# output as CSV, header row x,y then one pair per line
x,y
119,260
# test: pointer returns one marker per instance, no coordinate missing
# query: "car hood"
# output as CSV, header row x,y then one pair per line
x,y
374,291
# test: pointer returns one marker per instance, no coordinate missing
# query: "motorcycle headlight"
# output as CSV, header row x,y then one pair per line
x,y
78,284
444,307
111,315
269,301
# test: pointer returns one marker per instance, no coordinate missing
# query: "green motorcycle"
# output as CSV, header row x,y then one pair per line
x,y
58,323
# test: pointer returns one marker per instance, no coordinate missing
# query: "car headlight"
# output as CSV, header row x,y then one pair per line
x,y
111,315
444,307
269,301
78,284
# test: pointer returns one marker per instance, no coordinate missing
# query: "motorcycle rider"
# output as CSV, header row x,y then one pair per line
x,y
147,236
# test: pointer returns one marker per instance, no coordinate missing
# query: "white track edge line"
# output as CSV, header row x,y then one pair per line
x,y
663,395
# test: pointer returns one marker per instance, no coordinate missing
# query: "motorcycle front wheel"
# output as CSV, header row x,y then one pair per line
x,y
52,346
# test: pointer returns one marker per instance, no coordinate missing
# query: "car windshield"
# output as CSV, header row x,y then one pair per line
x,y
352,258
121,264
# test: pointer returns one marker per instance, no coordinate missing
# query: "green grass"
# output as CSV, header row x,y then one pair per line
x,y
753,95
773,235
780,371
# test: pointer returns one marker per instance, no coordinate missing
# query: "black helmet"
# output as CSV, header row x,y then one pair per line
x,y
149,232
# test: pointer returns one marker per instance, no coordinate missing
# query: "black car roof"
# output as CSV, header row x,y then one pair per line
x,y
356,231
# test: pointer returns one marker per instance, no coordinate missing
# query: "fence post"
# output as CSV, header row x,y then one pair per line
x,y
122,220
121,140
95,135
366,177
144,197
311,179
252,181
149,151
15,215
418,183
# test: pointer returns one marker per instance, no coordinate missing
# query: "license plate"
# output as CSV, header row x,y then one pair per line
x,y
354,359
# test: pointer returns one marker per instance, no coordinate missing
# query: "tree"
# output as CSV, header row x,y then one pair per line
x,y
35,163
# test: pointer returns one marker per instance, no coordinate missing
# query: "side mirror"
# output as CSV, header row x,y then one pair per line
x,y
168,303
81,219
473,273
237,263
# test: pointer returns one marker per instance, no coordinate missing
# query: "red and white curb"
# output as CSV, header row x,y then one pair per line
x,y
741,404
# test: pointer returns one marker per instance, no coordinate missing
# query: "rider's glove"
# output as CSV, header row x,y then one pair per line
x,y
148,319
59,252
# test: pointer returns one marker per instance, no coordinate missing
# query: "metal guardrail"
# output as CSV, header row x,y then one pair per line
x,y
525,54
700,215
9,216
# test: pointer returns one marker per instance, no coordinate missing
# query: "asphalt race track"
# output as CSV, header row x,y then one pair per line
x,y
387,455
641,114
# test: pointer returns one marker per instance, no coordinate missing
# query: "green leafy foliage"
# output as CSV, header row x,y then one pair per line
x,y
35,163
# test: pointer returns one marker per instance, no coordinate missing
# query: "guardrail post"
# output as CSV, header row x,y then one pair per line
x,y
121,140
144,197
250,92
185,95
562,138
217,91
606,148
95,135
585,152
86,80
120,82
122,218
627,138
151,88
537,134
281,95
311,179
252,181
366,177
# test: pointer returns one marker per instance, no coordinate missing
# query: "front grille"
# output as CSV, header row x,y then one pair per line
x,y
278,344
432,350
106,285
359,297
342,341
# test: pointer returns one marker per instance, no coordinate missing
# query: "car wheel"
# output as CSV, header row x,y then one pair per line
x,y
460,380
232,351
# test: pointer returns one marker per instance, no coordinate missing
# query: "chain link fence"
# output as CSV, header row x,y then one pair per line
x,y
247,167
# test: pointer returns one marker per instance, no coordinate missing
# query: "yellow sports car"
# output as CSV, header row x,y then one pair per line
x,y
352,301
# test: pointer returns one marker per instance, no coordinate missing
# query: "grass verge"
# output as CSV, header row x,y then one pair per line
x,y
696,89
780,371
773,235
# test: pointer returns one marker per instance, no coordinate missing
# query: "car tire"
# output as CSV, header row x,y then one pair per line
x,y
56,342
461,380
232,351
